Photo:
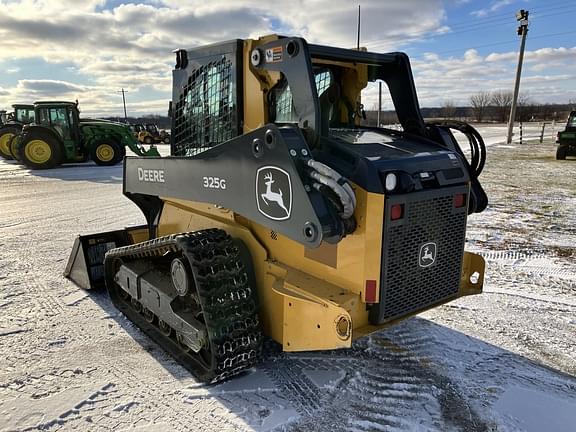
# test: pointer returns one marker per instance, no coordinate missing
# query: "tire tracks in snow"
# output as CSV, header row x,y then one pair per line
x,y
388,376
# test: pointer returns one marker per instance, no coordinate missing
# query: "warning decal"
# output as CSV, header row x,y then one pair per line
x,y
274,55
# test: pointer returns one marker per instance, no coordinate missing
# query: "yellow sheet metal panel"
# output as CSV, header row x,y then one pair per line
x,y
315,313
472,279
137,235
357,256
256,85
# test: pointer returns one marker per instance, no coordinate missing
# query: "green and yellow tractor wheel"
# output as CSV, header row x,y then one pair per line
x,y
5,138
40,150
107,153
13,146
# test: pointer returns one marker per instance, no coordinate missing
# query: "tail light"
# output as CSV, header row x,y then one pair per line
x,y
397,212
459,200
370,293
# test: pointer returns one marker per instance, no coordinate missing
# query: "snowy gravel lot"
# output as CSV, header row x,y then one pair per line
x,y
504,360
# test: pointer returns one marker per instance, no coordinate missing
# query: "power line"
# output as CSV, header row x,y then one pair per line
x,y
510,42
471,28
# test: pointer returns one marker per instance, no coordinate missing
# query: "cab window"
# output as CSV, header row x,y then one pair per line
x,y
283,104
24,115
59,121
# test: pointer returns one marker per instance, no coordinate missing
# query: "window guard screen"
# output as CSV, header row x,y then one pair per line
x,y
205,113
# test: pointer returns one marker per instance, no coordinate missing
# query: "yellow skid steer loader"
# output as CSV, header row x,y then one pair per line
x,y
278,214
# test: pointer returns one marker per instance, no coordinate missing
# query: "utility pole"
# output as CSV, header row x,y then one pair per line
x,y
522,18
124,101
358,37
379,102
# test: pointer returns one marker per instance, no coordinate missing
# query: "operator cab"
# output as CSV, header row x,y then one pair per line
x,y
62,117
23,114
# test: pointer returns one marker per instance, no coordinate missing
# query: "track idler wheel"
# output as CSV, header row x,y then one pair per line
x,y
180,279
165,329
136,305
148,315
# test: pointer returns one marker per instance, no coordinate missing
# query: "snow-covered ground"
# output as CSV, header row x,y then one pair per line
x,y
504,360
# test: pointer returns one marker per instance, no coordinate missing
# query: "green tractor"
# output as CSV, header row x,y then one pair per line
x,y
60,136
566,139
12,125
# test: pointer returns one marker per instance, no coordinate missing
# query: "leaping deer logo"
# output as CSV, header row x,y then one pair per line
x,y
272,196
427,256
274,192
428,253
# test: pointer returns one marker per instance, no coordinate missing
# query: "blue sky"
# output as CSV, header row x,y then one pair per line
x,y
474,25
93,48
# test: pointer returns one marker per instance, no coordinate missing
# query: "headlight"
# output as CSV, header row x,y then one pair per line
x,y
391,182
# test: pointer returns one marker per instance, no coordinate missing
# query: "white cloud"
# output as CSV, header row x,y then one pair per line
x,y
456,78
131,45
495,6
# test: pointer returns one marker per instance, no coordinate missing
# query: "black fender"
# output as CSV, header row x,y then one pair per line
x,y
43,130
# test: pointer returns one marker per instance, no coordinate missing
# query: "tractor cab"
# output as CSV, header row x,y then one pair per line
x,y
23,114
62,117
11,124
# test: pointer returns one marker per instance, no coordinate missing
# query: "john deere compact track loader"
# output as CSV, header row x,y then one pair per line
x,y
278,215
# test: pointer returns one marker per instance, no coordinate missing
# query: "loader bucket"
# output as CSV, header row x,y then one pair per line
x,y
85,266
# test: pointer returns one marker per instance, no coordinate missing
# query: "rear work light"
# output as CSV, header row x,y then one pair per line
x,y
459,200
397,212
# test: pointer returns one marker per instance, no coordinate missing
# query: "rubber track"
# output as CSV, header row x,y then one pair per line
x,y
228,301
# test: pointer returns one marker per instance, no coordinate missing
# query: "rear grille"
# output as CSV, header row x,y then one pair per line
x,y
429,216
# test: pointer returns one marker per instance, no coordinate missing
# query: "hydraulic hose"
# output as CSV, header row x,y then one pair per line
x,y
326,171
477,146
324,175
475,164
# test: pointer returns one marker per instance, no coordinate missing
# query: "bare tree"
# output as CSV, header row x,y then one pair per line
x,y
448,109
524,110
501,101
480,102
